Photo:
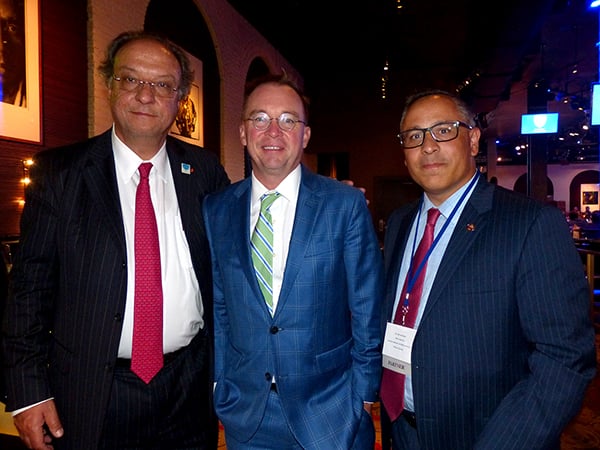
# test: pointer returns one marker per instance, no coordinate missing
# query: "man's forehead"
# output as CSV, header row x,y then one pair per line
x,y
429,110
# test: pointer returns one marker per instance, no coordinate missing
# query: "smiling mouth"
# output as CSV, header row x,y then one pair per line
x,y
432,165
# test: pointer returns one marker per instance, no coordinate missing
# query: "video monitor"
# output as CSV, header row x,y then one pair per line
x,y
595,120
539,123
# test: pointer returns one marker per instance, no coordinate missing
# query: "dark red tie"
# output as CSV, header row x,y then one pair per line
x,y
147,345
392,383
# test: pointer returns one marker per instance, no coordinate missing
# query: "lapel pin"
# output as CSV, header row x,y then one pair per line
x,y
186,168
470,227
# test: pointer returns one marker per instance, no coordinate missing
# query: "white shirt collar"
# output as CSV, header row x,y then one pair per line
x,y
288,188
127,161
447,207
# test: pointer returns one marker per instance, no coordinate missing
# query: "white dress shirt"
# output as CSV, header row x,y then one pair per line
x,y
182,313
183,310
283,212
434,260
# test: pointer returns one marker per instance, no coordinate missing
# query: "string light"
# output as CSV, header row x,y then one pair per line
x,y
25,180
384,79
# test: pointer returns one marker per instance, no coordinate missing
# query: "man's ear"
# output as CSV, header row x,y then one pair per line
x,y
243,135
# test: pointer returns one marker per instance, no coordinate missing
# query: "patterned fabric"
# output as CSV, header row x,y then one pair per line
x,y
392,383
324,366
147,351
262,249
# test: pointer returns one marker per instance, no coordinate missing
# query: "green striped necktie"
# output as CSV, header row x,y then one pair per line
x,y
262,248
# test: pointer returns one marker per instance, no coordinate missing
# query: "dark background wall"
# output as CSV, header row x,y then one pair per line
x,y
63,78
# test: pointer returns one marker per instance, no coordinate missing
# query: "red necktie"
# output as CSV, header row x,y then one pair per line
x,y
147,345
392,383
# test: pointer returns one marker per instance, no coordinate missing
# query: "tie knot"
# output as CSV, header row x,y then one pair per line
x,y
267,200
432,216
144,169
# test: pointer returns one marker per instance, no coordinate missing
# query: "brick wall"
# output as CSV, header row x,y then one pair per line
x,y
236,43
73,40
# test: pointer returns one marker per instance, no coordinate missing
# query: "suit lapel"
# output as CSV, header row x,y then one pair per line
x,y
394,258
305,220
101,179
471,223
239,221
187,197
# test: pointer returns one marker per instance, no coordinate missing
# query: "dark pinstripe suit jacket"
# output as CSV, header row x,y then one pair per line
x,y
505,348
64,320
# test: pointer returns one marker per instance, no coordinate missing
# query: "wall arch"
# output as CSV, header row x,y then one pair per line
x,y
185,25
258,68
521,185
584,177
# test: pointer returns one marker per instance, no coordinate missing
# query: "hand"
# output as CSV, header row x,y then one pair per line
x,y
38,425
361,189
368,407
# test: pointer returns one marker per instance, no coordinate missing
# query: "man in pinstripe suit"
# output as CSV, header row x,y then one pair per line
x,y
504,345
69,321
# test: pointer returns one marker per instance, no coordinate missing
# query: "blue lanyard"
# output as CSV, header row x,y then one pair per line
x,y
412,277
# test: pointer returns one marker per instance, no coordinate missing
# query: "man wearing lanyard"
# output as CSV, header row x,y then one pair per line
x,y
488,341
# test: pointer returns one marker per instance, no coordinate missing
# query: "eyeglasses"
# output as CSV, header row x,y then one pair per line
x,y
286,121
160,88
440,132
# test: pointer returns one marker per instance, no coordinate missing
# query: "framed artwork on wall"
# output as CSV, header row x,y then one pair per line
x,y
20,109
589,196
189,123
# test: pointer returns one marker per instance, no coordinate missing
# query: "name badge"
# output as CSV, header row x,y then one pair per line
x,y
397,348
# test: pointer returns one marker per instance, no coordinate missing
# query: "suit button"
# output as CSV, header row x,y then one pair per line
x,y
268,376
274,329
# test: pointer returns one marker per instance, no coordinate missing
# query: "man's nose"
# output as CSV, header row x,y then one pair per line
x,y
145,92
273,128
430,145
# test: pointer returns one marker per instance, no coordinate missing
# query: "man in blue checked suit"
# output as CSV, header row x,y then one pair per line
x,y
303,376
504,346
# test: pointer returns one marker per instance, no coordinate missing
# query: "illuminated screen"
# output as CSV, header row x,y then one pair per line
x,y
539,123
595,104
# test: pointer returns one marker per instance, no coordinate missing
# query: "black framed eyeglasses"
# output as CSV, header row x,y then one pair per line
x,y
160,88
440,132
285,122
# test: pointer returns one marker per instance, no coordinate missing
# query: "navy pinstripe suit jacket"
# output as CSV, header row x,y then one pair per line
x,y
63,324
505,348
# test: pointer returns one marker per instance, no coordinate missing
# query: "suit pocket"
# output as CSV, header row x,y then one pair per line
x,y
335,359
324,246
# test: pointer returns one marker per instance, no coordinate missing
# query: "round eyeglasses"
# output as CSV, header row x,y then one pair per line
x,y
160,88
285,122
440,132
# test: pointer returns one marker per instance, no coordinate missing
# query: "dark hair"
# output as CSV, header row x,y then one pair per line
x,y
280,79
464,110
107,66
